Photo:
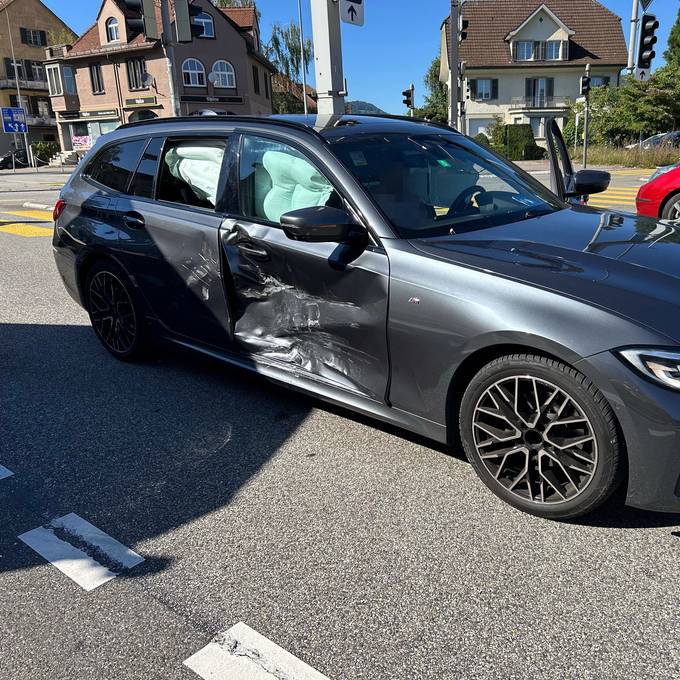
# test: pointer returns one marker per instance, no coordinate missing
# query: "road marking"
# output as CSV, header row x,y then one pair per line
x,y
42,215
26,229
4,472
81,564
241,653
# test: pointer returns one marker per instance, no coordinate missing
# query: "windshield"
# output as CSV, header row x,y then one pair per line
x,y
436,184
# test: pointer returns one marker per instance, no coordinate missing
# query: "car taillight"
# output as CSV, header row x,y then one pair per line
x,y
58,209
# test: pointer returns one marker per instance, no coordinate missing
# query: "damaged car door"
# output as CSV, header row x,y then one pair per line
x,y
319,309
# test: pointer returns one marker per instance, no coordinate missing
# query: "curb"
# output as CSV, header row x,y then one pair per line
x,y
37,206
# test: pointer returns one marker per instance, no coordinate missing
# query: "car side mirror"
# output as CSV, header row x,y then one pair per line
x,y
321,224
587,182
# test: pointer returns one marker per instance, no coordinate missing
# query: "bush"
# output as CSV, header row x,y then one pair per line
x,y
43,151
482,139
516,142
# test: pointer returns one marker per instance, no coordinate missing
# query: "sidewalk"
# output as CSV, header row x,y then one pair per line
x,y
38,189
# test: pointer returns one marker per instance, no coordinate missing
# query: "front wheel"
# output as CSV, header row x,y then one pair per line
x,y
541,436
671,211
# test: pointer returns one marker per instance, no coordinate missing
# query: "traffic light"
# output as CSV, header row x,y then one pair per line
x,y
408,97
464,24
646,51
585,86
185,21
141,18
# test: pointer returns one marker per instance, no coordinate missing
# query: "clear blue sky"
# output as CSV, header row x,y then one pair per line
x,y
395,47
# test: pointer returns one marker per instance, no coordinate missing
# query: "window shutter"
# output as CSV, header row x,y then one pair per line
x,y
13,101
9,69
43,38
550,87
24,35
473,88
529,88
494,88
28,69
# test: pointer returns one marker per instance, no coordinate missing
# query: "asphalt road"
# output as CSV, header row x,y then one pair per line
x,y
363,551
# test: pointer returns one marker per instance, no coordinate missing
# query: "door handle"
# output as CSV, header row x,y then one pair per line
x,y
250,249
133,220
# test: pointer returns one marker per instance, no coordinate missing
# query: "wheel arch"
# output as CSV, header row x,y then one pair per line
x,y
88,259
667,199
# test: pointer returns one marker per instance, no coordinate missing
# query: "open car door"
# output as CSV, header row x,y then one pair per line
x,y
568,184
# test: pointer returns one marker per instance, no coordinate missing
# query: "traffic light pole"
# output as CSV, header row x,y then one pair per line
x,y
330,81
633,35
453,63
168,48
586,120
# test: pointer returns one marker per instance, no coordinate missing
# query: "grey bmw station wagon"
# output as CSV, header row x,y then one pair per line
x,y
397,268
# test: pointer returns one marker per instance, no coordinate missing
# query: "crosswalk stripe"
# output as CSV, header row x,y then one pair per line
x,y
241,653
42,215
26,229
5,472
70,553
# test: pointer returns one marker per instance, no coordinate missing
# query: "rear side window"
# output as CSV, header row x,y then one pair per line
x,y
142,183
114,166
190,171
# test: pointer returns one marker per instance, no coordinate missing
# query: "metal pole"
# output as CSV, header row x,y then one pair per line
x,y
453,62
302,59
413,100
330,80
16,77
633,36
168,48
586,120
576,122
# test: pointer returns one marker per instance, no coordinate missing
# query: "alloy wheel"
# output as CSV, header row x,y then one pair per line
x,y
535,440
112,312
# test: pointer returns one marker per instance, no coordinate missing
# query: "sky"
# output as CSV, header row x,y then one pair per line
x,y
394,48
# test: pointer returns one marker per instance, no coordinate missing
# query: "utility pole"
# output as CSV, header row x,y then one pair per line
x,y
168,48
586,119
633,36
453,63
330,82
16,80
302,59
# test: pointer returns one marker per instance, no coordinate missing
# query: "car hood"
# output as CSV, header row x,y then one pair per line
x,y
626,264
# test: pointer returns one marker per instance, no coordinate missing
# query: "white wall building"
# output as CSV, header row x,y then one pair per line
x,y
524,59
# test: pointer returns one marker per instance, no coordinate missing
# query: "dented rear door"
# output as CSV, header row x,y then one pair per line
x,y
319,309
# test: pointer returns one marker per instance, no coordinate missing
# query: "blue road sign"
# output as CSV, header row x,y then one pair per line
x,y
14,120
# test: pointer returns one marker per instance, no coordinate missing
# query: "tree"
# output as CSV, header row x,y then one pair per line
x,y
436,97
672,54
283,50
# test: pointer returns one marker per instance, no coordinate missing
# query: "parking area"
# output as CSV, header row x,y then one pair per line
x,y
180,519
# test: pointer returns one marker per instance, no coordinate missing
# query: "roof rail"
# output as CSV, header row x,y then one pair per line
x,y
409,119
228,118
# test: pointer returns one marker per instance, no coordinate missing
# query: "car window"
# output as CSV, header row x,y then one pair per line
x,y
190,171
432,184
275,179
114,166
142,182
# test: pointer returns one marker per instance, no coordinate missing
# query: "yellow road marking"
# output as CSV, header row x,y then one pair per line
x,y
25,229
42,215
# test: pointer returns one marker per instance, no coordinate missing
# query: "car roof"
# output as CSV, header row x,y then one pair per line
x,y
326,126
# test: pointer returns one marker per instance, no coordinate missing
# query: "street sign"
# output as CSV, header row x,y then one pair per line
x,y
642,74
646,4
352,12
14,120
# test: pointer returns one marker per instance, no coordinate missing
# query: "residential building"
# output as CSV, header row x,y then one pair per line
x,y
114,75
524,61
28,26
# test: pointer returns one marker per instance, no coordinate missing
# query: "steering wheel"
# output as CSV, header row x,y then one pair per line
x,y
462,201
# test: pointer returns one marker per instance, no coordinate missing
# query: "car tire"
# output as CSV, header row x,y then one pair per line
x,y
671,211
541,436
116,312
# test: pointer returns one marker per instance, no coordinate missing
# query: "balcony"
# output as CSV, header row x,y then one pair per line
x,y
23,84
41,121
539,102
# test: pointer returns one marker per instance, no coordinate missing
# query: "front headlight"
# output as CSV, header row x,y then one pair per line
x,y
662,367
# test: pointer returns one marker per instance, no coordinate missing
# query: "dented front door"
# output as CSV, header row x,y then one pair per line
x,y
318,308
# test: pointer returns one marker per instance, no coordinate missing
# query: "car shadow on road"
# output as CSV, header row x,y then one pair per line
x,y
135,449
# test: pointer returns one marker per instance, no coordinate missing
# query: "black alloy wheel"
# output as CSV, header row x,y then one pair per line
x,y
541,436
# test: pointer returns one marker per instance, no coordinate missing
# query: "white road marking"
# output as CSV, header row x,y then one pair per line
x,y
241,653
4,472
80,567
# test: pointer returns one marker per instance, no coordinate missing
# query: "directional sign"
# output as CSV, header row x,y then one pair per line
x,y
352,12
14,120
642,74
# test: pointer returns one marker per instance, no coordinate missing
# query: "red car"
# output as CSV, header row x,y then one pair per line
x,y
660,197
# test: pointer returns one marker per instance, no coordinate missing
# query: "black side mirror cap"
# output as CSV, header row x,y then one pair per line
x,y
321,224
587,182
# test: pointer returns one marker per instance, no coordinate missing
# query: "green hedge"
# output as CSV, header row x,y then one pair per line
x,y
516,142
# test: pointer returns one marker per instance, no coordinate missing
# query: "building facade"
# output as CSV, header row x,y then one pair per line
x,y
113,75
523,63
28,26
